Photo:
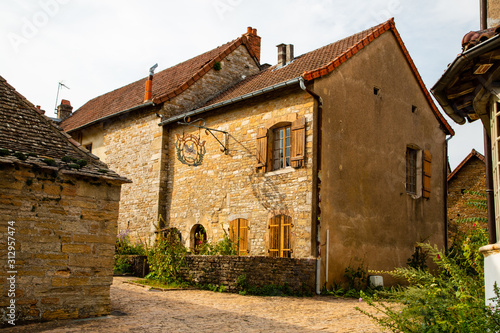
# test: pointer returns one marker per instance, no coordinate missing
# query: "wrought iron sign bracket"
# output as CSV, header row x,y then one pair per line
x,y
209,130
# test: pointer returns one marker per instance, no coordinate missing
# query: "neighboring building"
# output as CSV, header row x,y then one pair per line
x,y
469,175
468,91
338,154
58,213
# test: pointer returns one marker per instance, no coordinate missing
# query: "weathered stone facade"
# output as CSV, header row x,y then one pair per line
x,y
64,231
133,145
227,187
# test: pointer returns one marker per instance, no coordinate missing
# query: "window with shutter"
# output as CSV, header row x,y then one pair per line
x,y
238,232
426,180
280,229
282,145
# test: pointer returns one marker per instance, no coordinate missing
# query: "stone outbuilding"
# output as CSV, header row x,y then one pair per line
x,y
469,175
58,219
338,154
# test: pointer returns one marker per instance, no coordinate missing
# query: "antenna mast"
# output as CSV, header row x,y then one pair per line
x,y
57,96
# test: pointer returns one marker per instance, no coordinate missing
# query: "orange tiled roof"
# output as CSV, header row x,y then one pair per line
x,y
167,84
323,61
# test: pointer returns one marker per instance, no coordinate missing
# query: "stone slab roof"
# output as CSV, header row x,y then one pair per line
x,y
27,136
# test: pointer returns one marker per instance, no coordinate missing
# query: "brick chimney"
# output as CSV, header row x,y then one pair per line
x,y
64,110
253,42
285,54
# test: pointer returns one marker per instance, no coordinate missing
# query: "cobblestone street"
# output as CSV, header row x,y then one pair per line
x,y
138,309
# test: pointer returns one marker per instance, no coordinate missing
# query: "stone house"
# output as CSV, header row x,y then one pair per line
x,y
58,219
338,154
469,175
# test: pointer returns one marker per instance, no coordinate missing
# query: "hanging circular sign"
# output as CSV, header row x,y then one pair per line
x,y
190,150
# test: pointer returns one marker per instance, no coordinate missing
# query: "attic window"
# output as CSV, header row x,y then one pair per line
x,y
88,147
376,91
413,109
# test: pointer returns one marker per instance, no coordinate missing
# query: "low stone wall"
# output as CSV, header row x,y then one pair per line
x,y
259,270
298,274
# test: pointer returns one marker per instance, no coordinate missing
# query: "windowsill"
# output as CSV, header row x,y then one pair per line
x,y
279,172
414,195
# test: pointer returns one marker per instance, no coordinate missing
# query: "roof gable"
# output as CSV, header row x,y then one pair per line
x,y
466,160
168,84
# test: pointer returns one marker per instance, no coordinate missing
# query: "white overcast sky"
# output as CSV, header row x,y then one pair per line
x,y
97,46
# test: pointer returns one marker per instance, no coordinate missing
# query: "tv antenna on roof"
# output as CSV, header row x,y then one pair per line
x,y
57,96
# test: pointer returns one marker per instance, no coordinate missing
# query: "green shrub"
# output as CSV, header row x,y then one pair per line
x,y
124,246
224,247
167,257
447,299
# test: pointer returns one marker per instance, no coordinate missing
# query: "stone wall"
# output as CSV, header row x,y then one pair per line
x,y
227,187
471,177
63,231
259,270
133,144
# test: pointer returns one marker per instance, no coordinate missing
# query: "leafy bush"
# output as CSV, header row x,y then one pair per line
x,y
448,299
124,246
167,257
224,247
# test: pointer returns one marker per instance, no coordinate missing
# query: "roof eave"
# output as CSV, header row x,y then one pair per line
x,y
438,90
119,113
207,108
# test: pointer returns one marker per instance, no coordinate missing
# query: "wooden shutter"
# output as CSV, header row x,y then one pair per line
x,y
426,179
280,230
286,232
261,147
243,237
274,241
233,231
298,142
238,232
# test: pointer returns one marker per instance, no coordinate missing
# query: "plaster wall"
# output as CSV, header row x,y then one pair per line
x,y
371,219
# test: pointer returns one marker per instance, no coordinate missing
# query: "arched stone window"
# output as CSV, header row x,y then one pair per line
x,y
198,238
281,145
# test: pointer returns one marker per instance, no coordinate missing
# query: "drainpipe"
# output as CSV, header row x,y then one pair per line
x,y
316,178
445,172
490,196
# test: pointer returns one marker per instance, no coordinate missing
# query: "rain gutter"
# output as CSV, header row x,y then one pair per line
x,y
137,107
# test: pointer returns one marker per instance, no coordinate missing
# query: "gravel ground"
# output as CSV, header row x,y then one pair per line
x,y
139,309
